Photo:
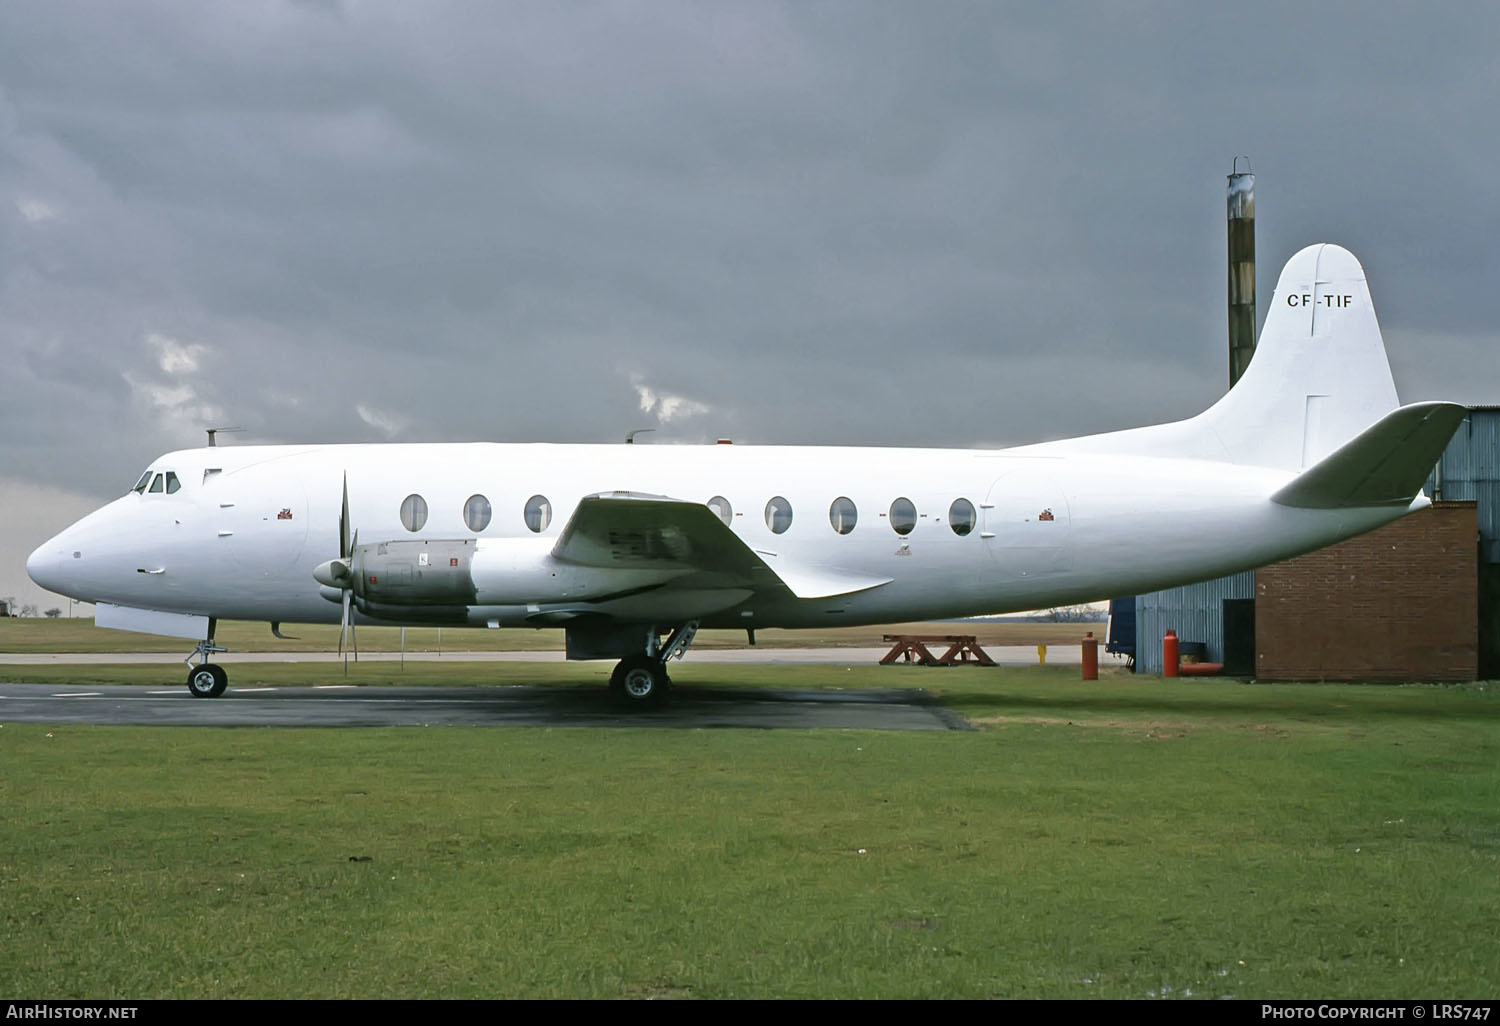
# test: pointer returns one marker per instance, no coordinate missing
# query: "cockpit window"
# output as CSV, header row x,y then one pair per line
x,y
165,482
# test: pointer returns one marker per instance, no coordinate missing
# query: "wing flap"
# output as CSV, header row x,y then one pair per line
x,y
1384,465
807,582
634,530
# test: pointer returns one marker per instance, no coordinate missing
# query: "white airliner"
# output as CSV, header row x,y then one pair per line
x,y
631,549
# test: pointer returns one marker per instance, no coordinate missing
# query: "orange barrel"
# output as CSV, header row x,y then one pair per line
x,y
1169,654
1090,657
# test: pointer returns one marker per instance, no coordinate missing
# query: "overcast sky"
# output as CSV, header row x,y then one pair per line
x,y
944,224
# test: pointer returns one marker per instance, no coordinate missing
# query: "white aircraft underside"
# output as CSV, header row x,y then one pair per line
x,y
622,544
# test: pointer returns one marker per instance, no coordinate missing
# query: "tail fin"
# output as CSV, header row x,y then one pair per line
x,y
1318,381
1319,376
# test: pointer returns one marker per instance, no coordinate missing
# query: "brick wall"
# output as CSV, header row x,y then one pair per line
x,y
1399,603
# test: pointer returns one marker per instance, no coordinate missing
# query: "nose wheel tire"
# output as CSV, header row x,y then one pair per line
x,y
640,681
207,681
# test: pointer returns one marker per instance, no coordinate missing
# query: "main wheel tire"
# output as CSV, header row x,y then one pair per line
x,y
207,681
641,680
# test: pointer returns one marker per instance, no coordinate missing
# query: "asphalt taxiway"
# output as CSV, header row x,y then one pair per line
x,y
519,705
486,706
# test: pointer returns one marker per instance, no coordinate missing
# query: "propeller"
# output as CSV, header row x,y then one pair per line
x,y
347,545
339,573
348,619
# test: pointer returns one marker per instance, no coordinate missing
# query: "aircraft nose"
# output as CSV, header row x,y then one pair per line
x,y
44,566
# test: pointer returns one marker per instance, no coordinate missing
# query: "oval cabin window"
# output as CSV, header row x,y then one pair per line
x,y
538,513
413,512
778,515
961,517
903,516
477,513
842,514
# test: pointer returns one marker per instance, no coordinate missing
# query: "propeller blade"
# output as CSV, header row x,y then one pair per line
x,y
345,549
349,595
346,578
345,625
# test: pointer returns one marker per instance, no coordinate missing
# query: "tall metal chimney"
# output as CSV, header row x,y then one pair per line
x,y
1241,204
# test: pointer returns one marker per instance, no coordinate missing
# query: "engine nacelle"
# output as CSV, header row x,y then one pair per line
x,y
414,573
392,578
523,571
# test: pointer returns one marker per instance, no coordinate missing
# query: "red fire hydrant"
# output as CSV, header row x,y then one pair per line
x,y
1169,654
1090,657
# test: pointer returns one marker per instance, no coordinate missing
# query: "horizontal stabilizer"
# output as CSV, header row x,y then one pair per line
x,y
1384,465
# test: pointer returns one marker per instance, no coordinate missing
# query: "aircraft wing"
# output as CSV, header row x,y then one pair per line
x,y
630,530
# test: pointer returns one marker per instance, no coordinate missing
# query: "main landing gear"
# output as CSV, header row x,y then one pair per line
x,y
640,679
206,680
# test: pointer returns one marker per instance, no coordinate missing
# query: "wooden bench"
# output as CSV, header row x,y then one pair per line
x,y
912,648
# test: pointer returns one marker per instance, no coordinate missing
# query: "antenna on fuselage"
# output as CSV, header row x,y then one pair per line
x,y
630,438
214,431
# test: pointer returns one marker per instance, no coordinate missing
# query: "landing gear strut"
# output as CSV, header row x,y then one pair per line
x,y
206,680
641,678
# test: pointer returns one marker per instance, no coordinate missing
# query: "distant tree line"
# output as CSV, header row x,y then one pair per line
x,y
1073,614
8,607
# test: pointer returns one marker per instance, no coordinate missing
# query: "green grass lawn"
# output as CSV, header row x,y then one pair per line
x,y
1130,838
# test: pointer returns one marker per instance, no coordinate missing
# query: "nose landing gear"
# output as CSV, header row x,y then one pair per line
x,y
206,680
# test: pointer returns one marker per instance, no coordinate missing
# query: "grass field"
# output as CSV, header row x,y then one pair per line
x,y
1127,838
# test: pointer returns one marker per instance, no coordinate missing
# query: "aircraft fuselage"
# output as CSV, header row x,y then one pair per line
x,y
993,531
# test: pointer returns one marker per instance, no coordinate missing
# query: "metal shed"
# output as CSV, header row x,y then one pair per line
x,y
1197,612
1469,471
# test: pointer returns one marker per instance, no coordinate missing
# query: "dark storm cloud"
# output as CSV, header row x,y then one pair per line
x,y
882,223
